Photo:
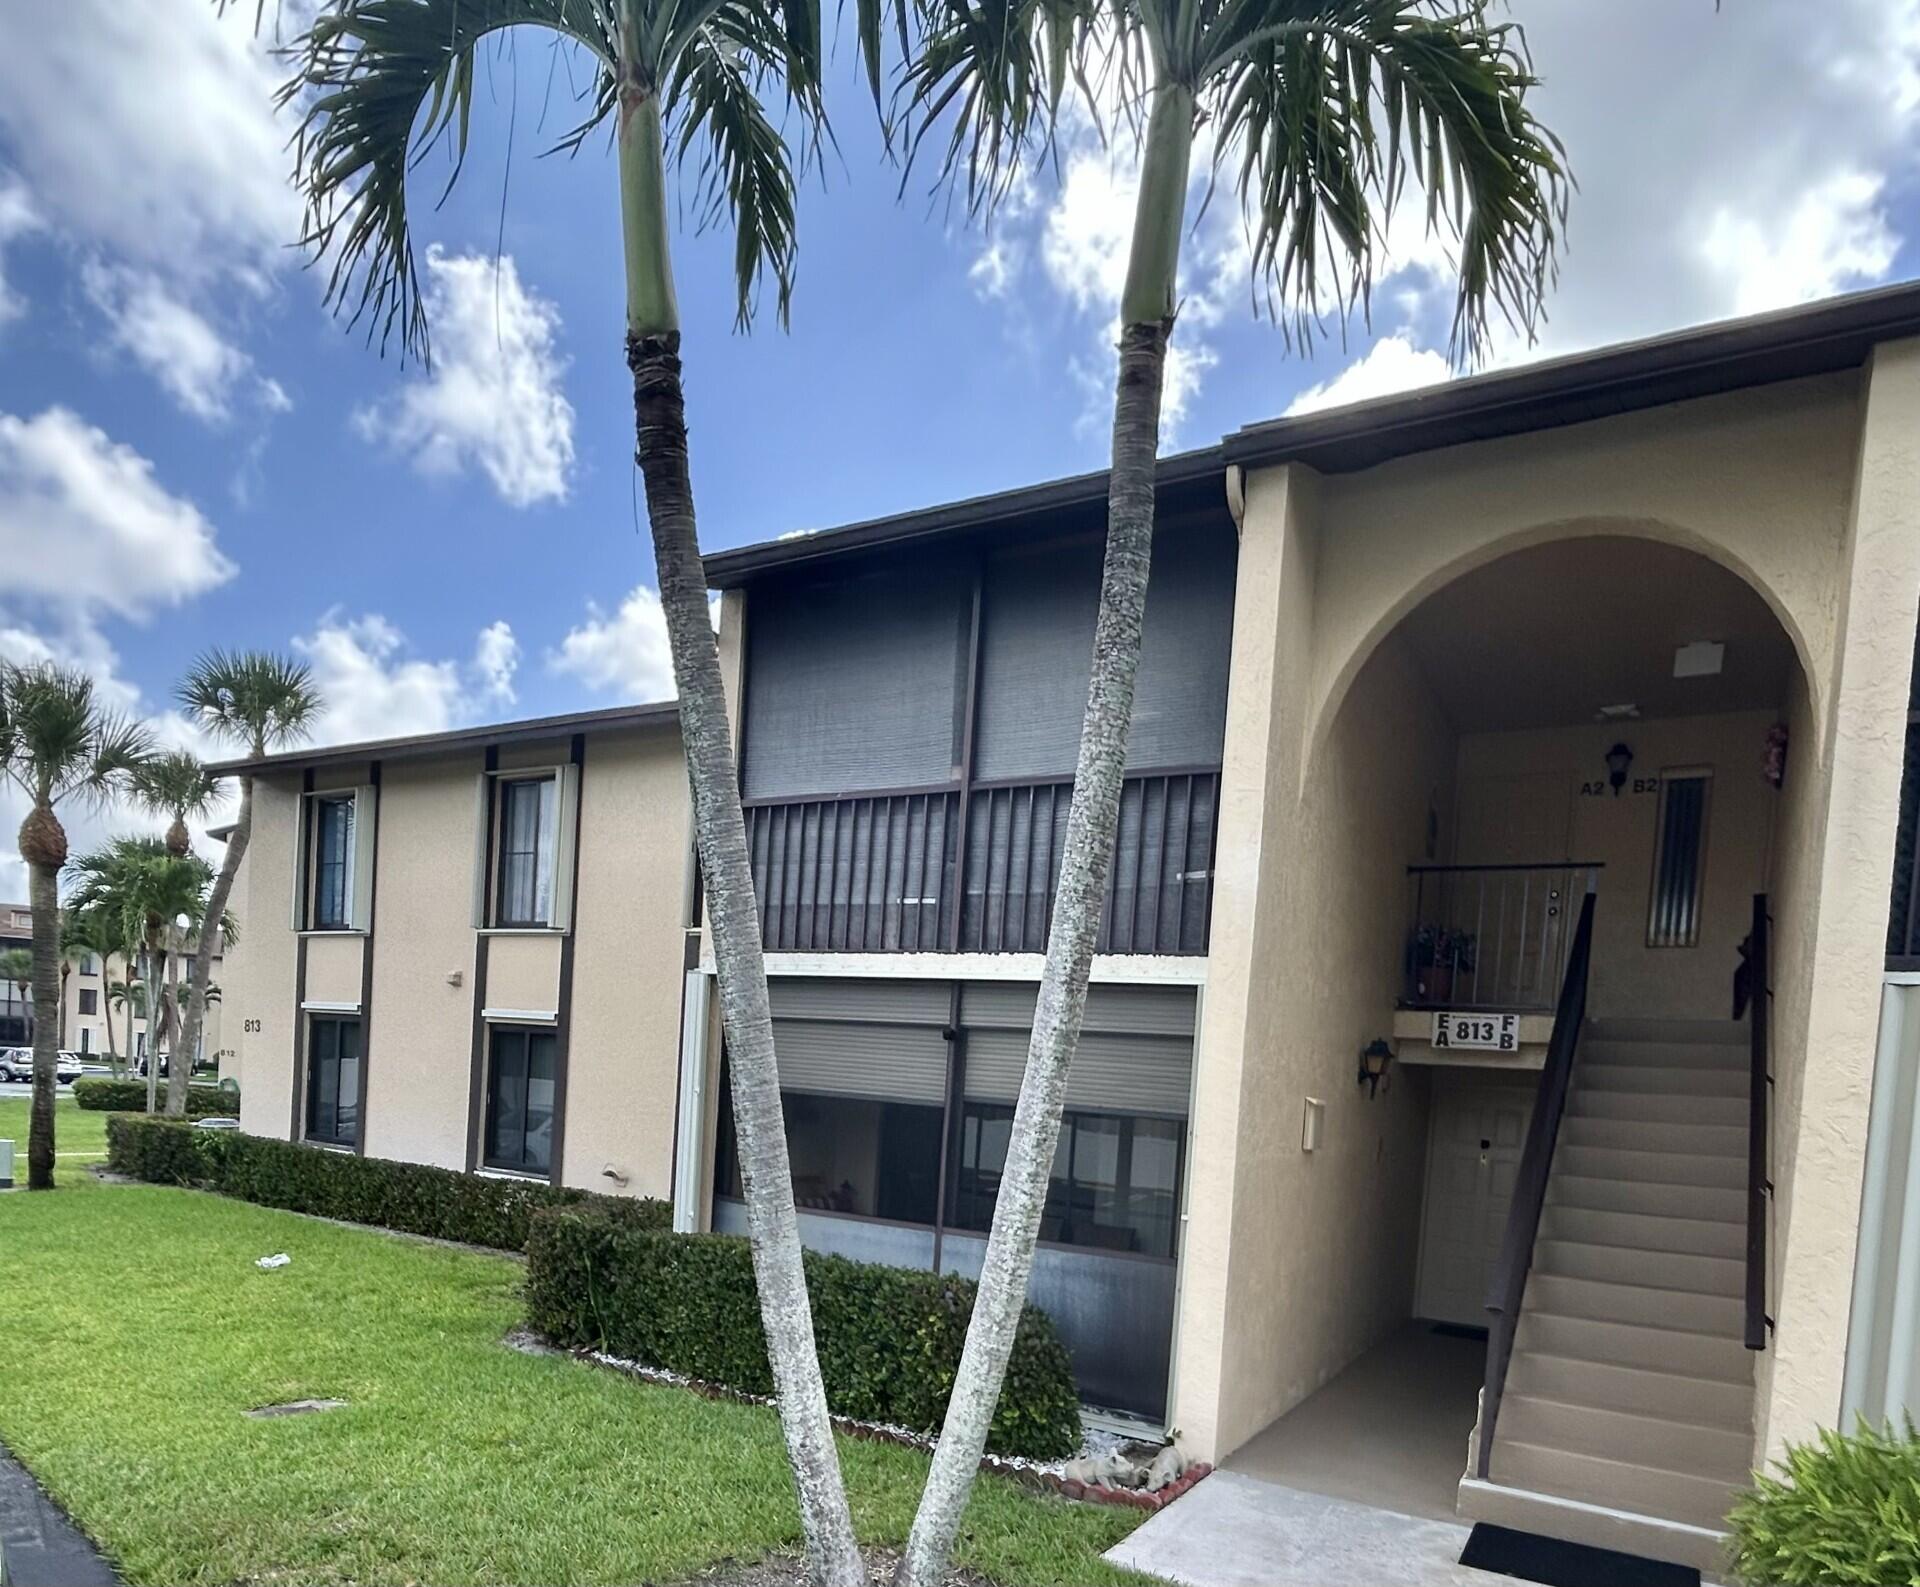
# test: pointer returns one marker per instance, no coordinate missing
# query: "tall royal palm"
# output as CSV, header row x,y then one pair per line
x,y
255,701
685,85
56,743
178,784
1320,110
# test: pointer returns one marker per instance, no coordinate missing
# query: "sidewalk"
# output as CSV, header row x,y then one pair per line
x,y
40,1546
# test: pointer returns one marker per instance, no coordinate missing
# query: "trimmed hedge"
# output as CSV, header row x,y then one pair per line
x,y
889,1338
410,1197
102,1095
1843,1509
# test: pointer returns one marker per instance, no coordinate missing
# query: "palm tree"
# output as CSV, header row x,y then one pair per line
x,y
16,968
56,742
84,934
176,784
690,81
257,701
1321,109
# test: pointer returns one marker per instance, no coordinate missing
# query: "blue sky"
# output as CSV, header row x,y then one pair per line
x,y
192,451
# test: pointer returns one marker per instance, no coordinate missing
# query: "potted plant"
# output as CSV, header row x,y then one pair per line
x,y
1440,956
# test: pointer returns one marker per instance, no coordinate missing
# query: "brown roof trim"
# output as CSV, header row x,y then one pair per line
x,y
661,713
1729,355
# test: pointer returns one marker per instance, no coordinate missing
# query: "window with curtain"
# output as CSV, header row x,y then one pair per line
x,y
332,862
1679,860
333,1079
520,1100
523,893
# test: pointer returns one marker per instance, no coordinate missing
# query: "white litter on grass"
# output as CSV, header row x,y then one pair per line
x,y
278,1259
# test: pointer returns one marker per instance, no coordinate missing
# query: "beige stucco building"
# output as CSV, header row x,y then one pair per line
x,y
1490,741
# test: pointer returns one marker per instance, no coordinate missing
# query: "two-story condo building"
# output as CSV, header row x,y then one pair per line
x,y
1501,916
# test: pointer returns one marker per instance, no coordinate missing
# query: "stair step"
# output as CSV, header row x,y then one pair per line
x,y
1592,1479
1719,1358
1657,1107
1612,1264
1608,1194
1717,1453
1702,1140
1641,1231
1653,1032
1706,1402
1720,1080
1646,1167
1642,1305
1597,1526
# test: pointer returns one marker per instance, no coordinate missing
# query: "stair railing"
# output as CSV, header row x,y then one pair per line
x,y
1759,972
1509,1282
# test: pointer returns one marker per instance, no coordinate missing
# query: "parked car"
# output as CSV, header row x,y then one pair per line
x,y
16,1063
67,1066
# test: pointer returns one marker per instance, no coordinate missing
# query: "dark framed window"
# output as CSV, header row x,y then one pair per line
x,y
89,1000
520,1100
332,863
850,1155
333,1079
523,880
1679,860
1115,1183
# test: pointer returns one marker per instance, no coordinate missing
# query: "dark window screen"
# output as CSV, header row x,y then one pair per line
x,y
332,861
333,1080
856,684
1037,645
520,1089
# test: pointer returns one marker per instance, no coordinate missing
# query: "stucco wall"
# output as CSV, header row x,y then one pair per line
x,y
333,967
258,985
623,1046
1619,831
523,970
421,1032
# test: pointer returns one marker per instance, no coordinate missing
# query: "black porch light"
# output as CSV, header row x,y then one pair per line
x,y
1374,1058
1619,758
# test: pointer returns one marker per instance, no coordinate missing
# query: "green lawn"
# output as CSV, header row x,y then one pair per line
x,y
457,1460
74,1131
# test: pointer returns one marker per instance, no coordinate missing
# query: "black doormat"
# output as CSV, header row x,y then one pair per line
x,y
1546,1559
1458,1331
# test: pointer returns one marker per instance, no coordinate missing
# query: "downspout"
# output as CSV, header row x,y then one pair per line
x,y
1236,486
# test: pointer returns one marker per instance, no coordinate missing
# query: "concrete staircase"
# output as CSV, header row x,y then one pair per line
x,y
1627,1420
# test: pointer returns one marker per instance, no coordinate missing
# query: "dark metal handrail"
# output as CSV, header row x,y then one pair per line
x,y
1530,1188
1759,1080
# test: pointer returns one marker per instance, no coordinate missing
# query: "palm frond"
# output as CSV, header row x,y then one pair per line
x,y
56,740
370,71
175,784
252,698
738,163
1332,105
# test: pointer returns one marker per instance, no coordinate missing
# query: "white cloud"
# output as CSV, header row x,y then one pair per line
x,y
85,526
18,216
1392,364
154,137
1836,235
372,686
625,651
492,399
194,363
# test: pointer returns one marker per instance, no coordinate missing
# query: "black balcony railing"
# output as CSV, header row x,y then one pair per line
x,y
1490,936
894,872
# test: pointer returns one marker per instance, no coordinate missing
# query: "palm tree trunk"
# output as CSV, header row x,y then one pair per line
x,y
65,968
201,977
152,1018
180,1054
653,354
106,1008
43,895
1087,855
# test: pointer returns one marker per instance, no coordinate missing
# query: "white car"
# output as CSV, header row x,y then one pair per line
x,y
67,1067
16,1063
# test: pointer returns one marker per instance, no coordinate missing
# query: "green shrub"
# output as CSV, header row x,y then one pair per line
x,y
102,1095
410,1197
889,1338
1844,1509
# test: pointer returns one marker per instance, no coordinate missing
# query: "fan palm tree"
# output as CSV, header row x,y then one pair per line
x,y
686,85
1321,110
84,934
257,702
56,743
177,784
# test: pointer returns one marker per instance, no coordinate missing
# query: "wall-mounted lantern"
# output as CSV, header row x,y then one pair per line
x,y
1374,1058
1619,758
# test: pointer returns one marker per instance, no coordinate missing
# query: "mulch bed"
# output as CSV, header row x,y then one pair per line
x,y
790,1570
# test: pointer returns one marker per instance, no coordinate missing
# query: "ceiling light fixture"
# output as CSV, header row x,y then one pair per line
x,y
1626,711
1701,658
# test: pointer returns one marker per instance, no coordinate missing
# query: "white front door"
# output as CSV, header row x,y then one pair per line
x,y
1473,1154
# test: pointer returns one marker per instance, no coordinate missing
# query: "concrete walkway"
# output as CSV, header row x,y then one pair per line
x,y
41,1546
1233,1530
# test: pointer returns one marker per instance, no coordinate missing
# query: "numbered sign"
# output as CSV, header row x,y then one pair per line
x,y
1494,1032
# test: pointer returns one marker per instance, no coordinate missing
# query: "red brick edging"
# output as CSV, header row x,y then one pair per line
x,y
1138,1498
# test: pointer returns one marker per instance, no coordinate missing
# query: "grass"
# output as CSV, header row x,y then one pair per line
x,y
75,1131
457,1459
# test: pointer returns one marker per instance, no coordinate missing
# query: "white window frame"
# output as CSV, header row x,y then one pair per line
x,y
560,847
360,852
